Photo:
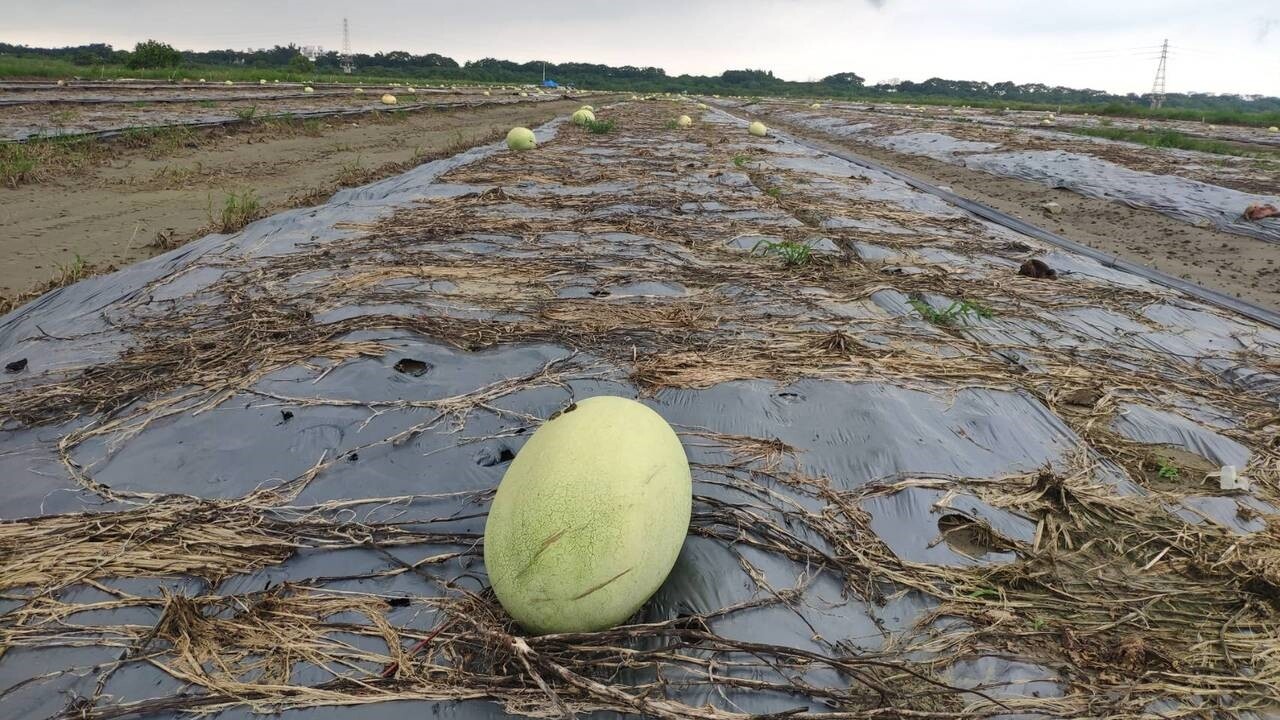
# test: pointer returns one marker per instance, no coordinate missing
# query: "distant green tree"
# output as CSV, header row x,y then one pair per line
x,y
154,54
845,80
300,64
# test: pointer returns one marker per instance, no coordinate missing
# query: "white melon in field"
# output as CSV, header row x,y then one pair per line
x,y
815,106
758,129
684,121
589,519
389,99
358,91
487,93
1274,129
262,82
521,138
229,82
308,89
583,116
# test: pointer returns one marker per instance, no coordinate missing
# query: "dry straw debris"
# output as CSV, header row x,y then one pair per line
x,y
1126,602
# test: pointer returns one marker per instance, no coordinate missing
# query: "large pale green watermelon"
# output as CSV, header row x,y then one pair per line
x,y
589,518
521,139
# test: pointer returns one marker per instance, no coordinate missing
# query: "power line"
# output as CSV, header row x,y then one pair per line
x,y
1114,51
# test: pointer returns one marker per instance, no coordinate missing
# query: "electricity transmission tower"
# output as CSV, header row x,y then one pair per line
x,y
348,65
1157,88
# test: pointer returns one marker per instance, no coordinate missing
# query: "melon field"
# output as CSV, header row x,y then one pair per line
x,y
949,459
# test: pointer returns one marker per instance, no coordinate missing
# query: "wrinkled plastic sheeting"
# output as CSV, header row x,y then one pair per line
x,y
1181,198
70,327
1187,200
126,119
854,434
1154,427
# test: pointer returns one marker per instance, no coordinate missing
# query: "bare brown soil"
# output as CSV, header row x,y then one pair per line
x,y
139,202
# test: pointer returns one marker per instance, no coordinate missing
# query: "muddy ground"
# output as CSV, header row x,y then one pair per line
x,y
141,202
1239,266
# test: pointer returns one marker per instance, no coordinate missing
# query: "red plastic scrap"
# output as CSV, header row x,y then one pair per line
x,y
1259,211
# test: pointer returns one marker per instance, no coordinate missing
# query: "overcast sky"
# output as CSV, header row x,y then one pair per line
x,y
1231,46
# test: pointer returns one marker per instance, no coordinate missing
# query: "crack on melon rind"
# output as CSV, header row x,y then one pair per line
x,y
551,540
603,585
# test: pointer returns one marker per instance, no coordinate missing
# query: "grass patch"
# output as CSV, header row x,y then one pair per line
x,y
311,127
17,164
740,161
599,127
774,192
238,210
792,254
1168,139
954,314
31,161
352,173
207,104
159,141
62,117
178,175
246,114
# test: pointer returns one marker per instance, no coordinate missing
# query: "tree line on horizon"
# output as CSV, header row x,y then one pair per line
x,y
433,66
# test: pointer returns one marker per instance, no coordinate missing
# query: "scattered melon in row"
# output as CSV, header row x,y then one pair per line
x,y
521,138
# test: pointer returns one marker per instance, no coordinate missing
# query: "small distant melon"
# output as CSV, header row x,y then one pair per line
x,y
758,129
583,116
389,99
589,518
308,89
229,82
521,138
816,106
684,121
1274,129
